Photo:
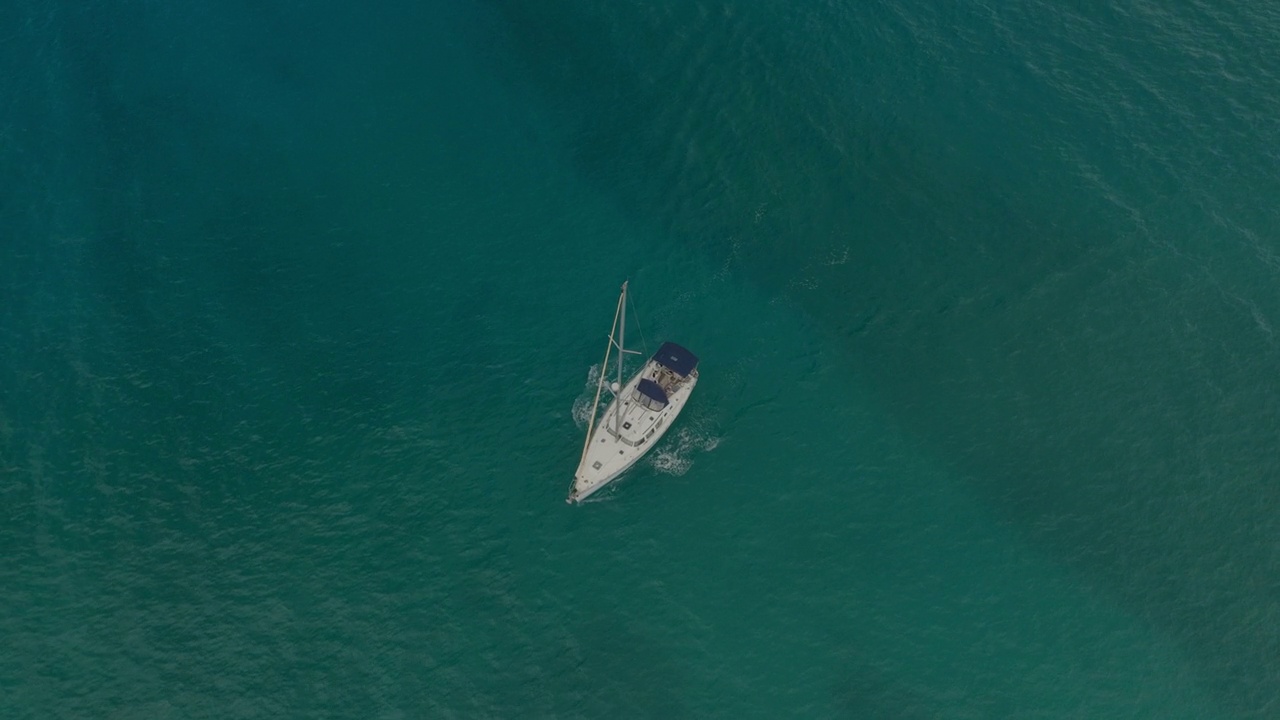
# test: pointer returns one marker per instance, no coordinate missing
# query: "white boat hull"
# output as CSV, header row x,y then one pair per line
x,y
624,435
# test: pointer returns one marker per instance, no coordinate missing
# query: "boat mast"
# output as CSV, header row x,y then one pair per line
x,y
622,351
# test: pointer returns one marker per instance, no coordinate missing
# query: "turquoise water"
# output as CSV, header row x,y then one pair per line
x,y
296,305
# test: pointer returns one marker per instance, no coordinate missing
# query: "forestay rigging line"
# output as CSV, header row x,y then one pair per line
x,y
604,368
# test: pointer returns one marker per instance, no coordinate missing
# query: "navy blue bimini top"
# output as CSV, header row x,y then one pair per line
x,y
676,359
652,390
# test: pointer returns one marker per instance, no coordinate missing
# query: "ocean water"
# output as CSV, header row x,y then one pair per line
x,y
297,302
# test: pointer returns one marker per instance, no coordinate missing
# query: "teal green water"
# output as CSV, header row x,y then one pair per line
x,y
296,305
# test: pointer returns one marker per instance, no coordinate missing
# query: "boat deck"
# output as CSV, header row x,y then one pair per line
x,y
624,435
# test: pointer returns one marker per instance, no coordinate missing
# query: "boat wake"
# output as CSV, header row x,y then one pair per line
x,y
582,405
675,455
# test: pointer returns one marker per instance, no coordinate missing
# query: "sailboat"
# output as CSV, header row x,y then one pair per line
x,y
640,413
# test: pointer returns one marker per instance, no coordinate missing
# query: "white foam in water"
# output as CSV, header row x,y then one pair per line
x,y
675,455
582,405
